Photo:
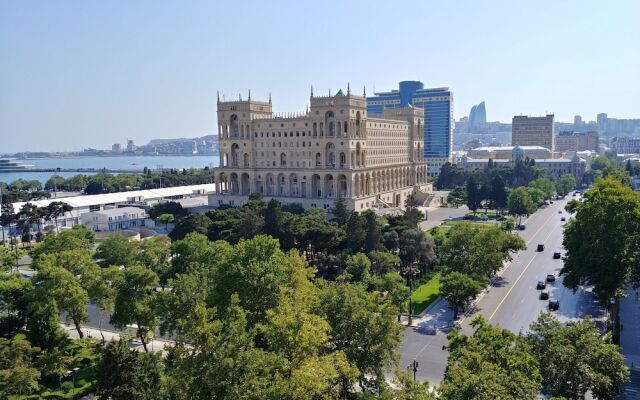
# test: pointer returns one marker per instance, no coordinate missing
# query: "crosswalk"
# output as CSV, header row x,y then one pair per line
x,y
632,388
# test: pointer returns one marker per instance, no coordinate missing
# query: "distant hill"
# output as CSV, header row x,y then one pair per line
x,y
158,142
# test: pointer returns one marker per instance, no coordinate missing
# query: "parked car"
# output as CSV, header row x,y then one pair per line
x,y
556,255
541,285
521,227
554,304
540,247
544,295
563,219
559,211
551,278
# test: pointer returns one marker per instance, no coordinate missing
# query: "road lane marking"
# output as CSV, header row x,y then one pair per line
x,y
520,276
503,270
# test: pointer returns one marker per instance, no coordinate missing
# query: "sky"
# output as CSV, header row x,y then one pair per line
x,y
78,74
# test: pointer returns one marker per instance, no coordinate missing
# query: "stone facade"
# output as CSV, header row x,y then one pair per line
x,y
332,150
533,131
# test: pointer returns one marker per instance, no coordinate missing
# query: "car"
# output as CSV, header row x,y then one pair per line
x,y
575,194
544,295
540,247
556,255
559,211
541,285
551,201
563,219
554,304
551,278
521,227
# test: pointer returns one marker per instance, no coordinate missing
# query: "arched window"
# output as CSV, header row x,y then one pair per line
x,y
331,124
283,160
233,123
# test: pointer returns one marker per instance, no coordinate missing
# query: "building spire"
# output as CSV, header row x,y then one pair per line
x,y
364,91
239,97
269,97
348,89
311,90
218,95
329,92
249,94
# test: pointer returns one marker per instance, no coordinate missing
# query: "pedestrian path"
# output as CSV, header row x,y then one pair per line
x,y
134,344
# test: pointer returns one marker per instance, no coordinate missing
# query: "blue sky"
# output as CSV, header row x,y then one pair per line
x,y
77,74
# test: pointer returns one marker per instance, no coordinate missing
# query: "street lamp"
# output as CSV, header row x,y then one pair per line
x,y
414,367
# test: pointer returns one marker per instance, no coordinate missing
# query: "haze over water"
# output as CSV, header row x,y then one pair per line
x,y
122,162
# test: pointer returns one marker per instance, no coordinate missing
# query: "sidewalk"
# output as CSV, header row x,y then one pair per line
x,y
630,342
134,343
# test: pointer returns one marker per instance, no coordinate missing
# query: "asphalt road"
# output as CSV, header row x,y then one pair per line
x,y
512,302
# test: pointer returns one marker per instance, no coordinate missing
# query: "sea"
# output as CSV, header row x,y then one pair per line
x,y
119,162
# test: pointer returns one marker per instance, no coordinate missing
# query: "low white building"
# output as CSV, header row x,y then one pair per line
x,y
138,198
509,152
114,219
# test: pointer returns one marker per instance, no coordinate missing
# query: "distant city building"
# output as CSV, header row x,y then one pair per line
x,y
616,126
477,118
507,152
437,104
335,149
533,131
625,145
577,120
116,148
577,141
555,167
130,146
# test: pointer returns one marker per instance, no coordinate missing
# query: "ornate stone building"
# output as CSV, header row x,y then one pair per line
x,y
333,150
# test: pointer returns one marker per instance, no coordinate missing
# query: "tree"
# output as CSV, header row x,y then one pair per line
x,y
55,209
340,212
166,219
391,240
128,374
8,258
135,302
167,207
412,214
474,195
155,254
478,251
520,203
358,268
577,359
66,290
363,326
197,223
18,376
459,290
14,298
566,184
602,242
537,196
492,364
103,292
407,388
116,250
545,185
196,252
43,325
76,238
499,195
373,232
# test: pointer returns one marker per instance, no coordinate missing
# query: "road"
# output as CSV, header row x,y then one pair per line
x,y
512,301
435,216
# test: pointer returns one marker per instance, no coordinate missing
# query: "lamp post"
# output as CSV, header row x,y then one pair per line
x,y
414,367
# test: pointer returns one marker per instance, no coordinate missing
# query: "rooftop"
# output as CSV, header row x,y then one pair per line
x,y
123,197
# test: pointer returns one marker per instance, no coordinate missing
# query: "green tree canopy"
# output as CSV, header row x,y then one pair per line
x,y
492,364
575,359
458,290
116,250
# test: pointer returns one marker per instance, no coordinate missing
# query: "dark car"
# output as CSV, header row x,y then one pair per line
x,y
559,211
563,219
544,295
551,278
541,285
556,255
554,304
540,247
521,227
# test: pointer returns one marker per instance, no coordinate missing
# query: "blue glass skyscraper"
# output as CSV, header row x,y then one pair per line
x,y
438,117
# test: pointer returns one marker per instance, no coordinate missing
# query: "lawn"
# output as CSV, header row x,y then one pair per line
x,y
425,294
